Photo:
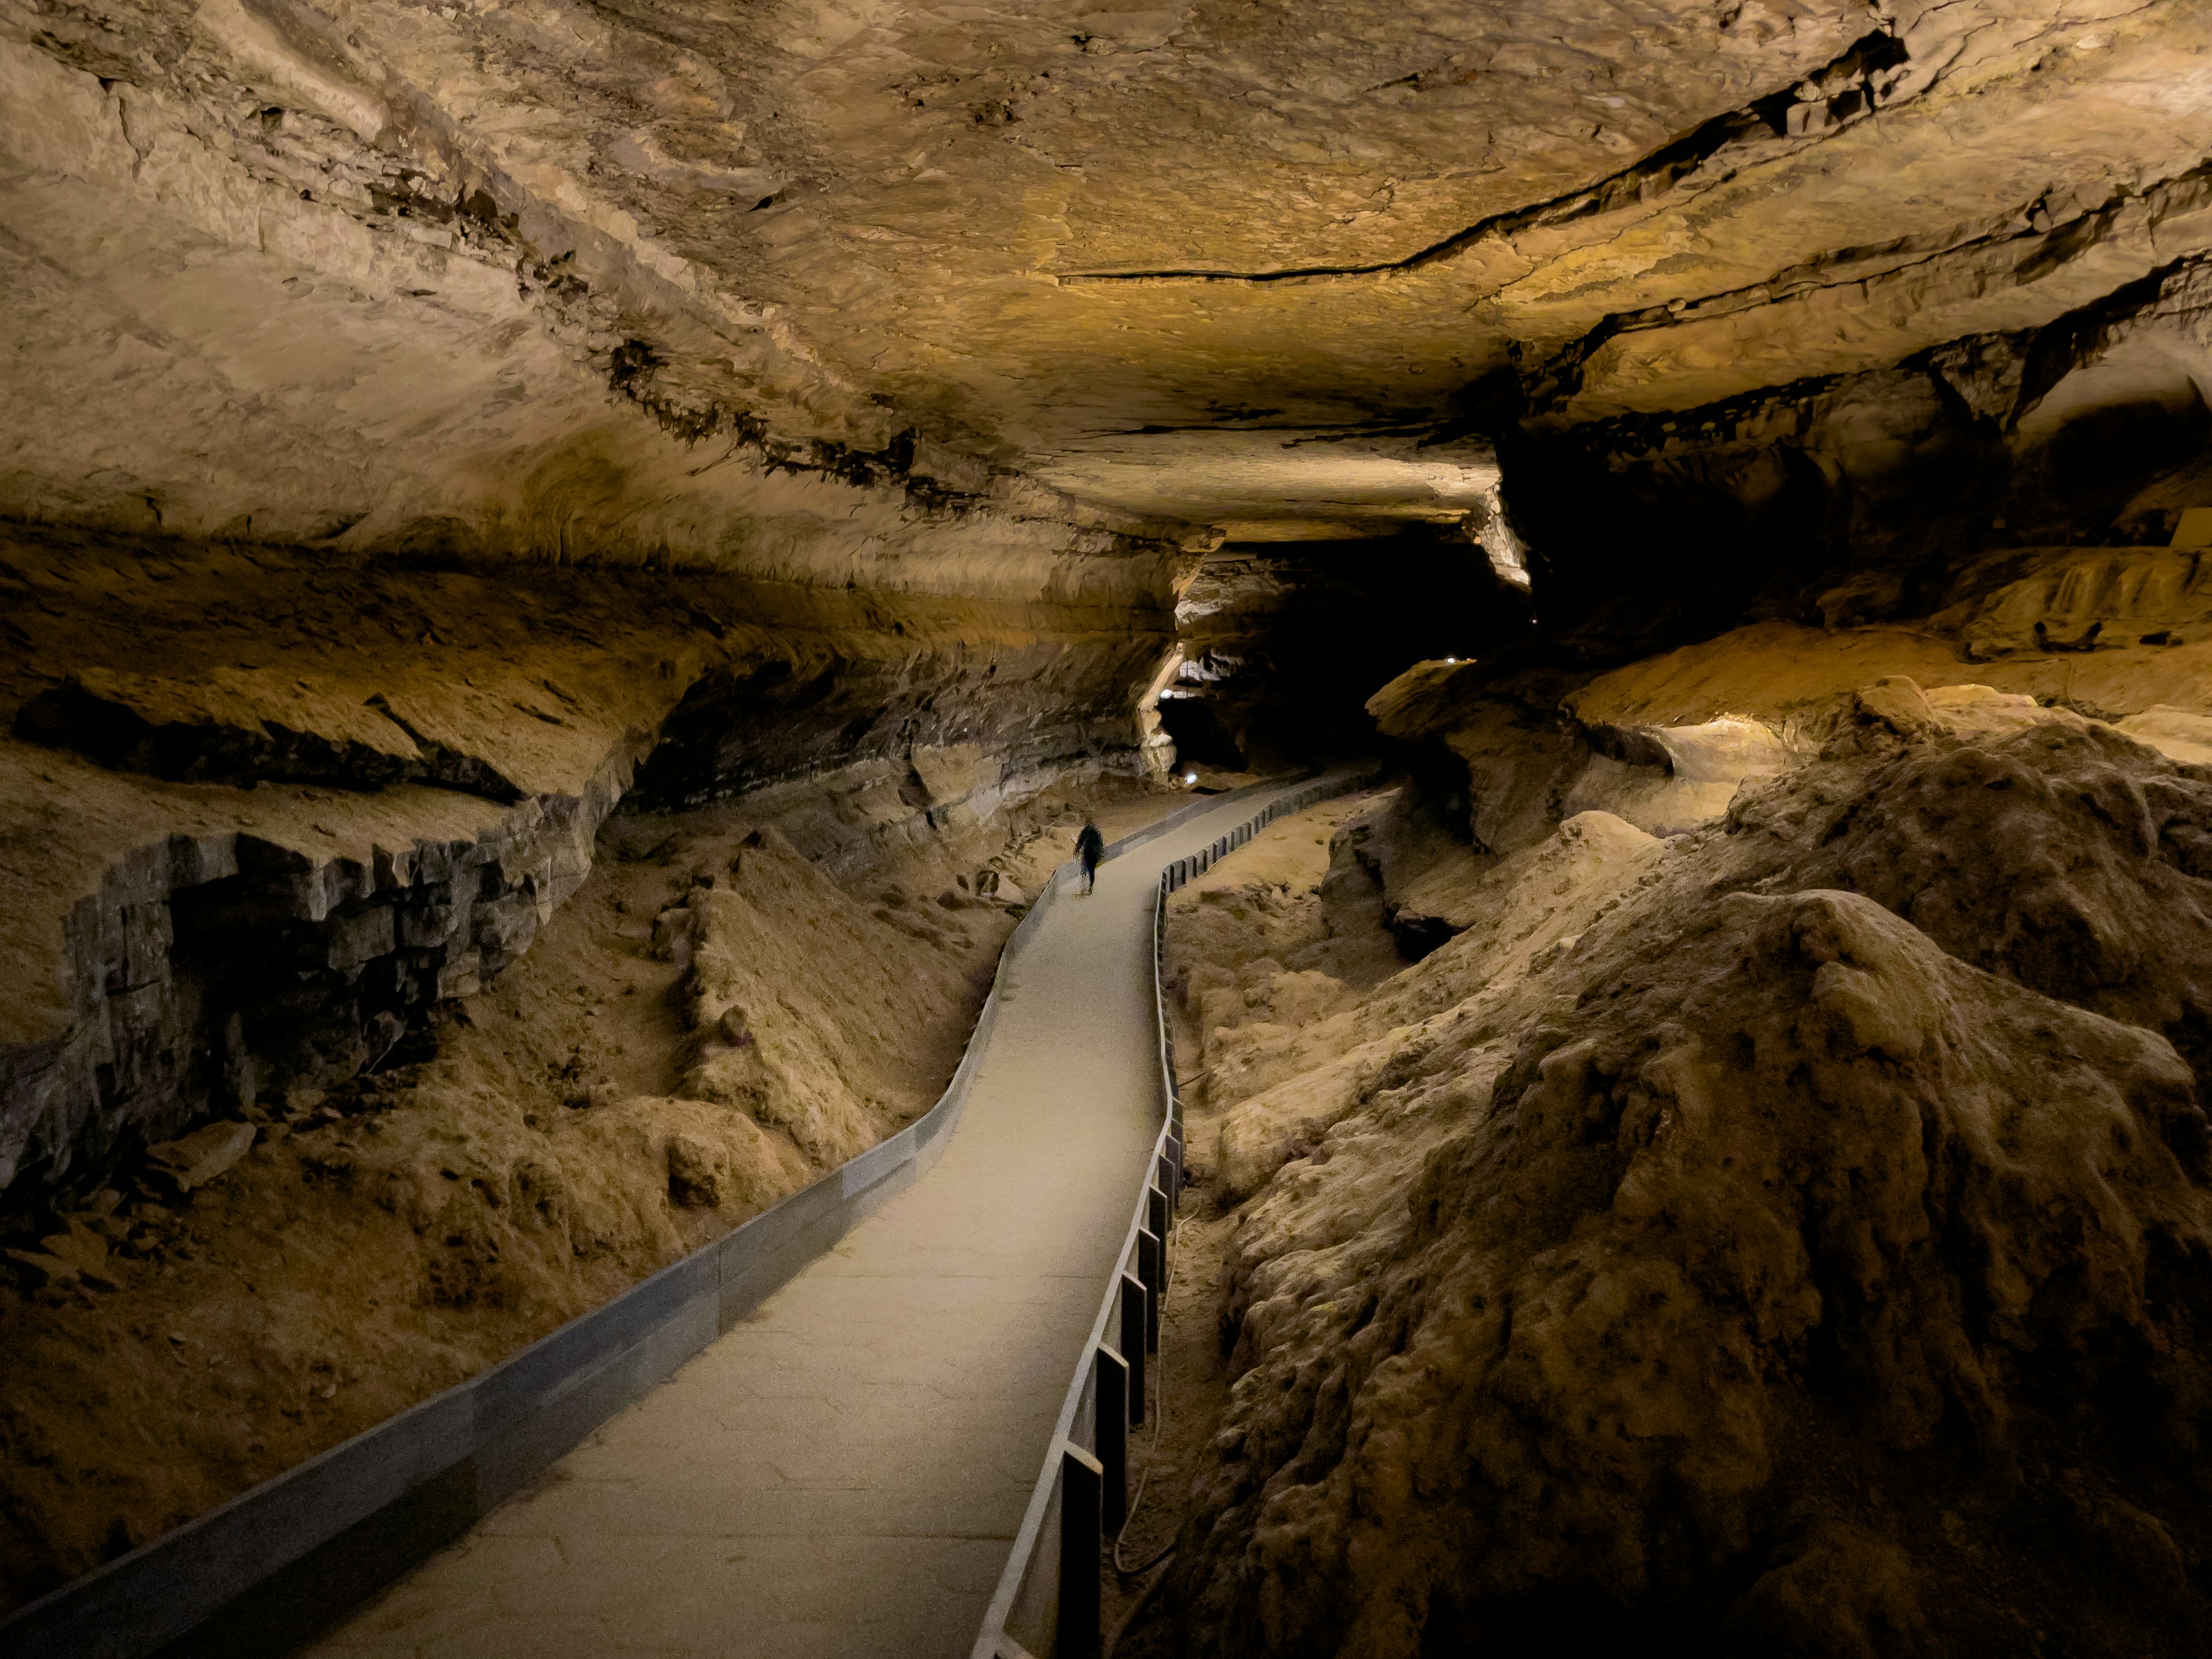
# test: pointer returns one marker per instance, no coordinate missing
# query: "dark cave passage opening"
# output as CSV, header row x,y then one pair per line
x,y
1283,643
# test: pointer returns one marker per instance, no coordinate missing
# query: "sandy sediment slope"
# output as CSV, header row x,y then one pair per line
x,y
1790,1236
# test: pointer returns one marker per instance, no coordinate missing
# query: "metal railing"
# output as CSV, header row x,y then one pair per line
x,y
267,1570
1050,1600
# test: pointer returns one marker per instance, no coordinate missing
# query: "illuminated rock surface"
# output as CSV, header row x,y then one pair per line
x,y
1748,1240
435,437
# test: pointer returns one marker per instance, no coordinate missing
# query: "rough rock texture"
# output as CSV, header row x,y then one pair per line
x,y
1807,1250
1284,1085
362,270
377,268
836,404
263,808
199,1326
916,349
1892,491
1670,778
2064,856
804,1042
1509,746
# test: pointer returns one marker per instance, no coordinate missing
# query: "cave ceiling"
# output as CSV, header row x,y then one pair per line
x,y
1259,268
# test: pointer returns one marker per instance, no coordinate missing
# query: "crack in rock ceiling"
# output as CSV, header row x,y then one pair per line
x,y
1103,250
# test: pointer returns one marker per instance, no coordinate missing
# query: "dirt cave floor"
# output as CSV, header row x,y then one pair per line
x,y
1791,1236
709,1024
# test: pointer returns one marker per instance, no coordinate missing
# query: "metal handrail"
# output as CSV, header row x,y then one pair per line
x,y
262,1571
1047,1604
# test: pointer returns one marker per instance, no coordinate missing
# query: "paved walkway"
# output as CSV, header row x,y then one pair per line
x,y
841,1475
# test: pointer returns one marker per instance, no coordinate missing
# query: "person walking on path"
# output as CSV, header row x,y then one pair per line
x,y
1089,847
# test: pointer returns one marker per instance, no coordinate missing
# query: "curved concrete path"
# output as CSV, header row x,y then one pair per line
x,y
842,1475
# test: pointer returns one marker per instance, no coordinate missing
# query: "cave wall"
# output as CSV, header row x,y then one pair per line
x,y
263,805
379,493
1852,498
904,361
424,427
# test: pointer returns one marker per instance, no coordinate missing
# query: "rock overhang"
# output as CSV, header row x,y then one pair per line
x,y
513,277
1131,354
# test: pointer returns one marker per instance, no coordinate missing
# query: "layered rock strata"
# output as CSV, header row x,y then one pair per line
x,y
266,806
1507,747
372,275
343,289
1892,491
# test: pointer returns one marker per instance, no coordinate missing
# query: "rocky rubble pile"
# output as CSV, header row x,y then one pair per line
x,y
1798,1242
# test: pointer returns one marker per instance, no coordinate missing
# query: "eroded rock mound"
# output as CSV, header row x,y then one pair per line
x,y
2065,856
1815,1277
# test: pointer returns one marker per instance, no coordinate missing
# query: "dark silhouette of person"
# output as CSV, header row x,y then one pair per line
x,y
1089,847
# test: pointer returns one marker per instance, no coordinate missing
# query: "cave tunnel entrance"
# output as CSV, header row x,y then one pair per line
x,y
1195,724
1283,643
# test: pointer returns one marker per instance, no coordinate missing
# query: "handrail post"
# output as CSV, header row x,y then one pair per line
x,y
1150,1267
1091,1488
1112,1410
1132,1345
1080,1598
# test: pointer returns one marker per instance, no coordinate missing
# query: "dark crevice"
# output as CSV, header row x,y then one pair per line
x,y
633,370
2051,249
1765,120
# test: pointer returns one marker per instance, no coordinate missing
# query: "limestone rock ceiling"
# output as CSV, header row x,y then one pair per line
x,y
1107,251
1267,484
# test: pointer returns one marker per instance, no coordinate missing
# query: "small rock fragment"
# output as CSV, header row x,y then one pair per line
x,y
201,1156
672,935
75,1253
693,1180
